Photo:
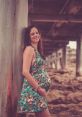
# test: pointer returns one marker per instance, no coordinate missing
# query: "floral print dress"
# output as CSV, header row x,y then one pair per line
x,y
30,100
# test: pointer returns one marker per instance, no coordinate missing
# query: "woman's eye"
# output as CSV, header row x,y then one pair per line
x,y
32,34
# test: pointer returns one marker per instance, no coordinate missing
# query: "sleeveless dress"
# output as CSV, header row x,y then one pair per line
x,y
30,100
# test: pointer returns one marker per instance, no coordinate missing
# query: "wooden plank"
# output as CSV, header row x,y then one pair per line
x,y
6,41
11,54
55,19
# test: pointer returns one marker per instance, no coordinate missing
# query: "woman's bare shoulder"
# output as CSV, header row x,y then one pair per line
x,y
29,49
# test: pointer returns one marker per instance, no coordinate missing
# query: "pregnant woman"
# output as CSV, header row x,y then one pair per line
x,y
36,80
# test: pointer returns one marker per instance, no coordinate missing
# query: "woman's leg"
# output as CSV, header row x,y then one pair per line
x,y
44,113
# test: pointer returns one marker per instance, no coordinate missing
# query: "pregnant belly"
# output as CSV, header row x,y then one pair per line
x,y
43,79
45,82
45,85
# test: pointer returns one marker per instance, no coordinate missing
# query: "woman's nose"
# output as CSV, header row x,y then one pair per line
x,y
35,35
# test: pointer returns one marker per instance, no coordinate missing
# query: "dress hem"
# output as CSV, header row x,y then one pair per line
x,y
20,112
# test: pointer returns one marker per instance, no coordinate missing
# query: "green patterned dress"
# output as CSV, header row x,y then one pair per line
x,y
30,100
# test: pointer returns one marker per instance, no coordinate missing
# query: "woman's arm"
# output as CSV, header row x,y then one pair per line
x,y
27,60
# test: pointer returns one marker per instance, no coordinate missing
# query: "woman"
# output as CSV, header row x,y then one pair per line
x,y
36,80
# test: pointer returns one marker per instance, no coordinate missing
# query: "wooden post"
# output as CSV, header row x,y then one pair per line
x,y
13,18
79,57
6,47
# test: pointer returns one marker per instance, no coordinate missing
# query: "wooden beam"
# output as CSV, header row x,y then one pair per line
x,y
54,41
54,19
61,37
62,34
64,6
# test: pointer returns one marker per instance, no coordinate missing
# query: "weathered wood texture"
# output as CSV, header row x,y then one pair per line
x,y
13,18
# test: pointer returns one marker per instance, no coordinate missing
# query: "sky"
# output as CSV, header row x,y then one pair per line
x,y
72,44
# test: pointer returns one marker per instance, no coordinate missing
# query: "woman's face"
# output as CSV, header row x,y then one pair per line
x,y
34,35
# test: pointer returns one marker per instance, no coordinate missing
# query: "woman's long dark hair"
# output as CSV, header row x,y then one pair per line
x,y
27,40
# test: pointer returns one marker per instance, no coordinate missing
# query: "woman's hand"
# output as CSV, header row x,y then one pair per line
x,y
42,92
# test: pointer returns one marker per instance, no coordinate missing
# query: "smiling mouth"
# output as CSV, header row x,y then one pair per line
x,y
36,38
